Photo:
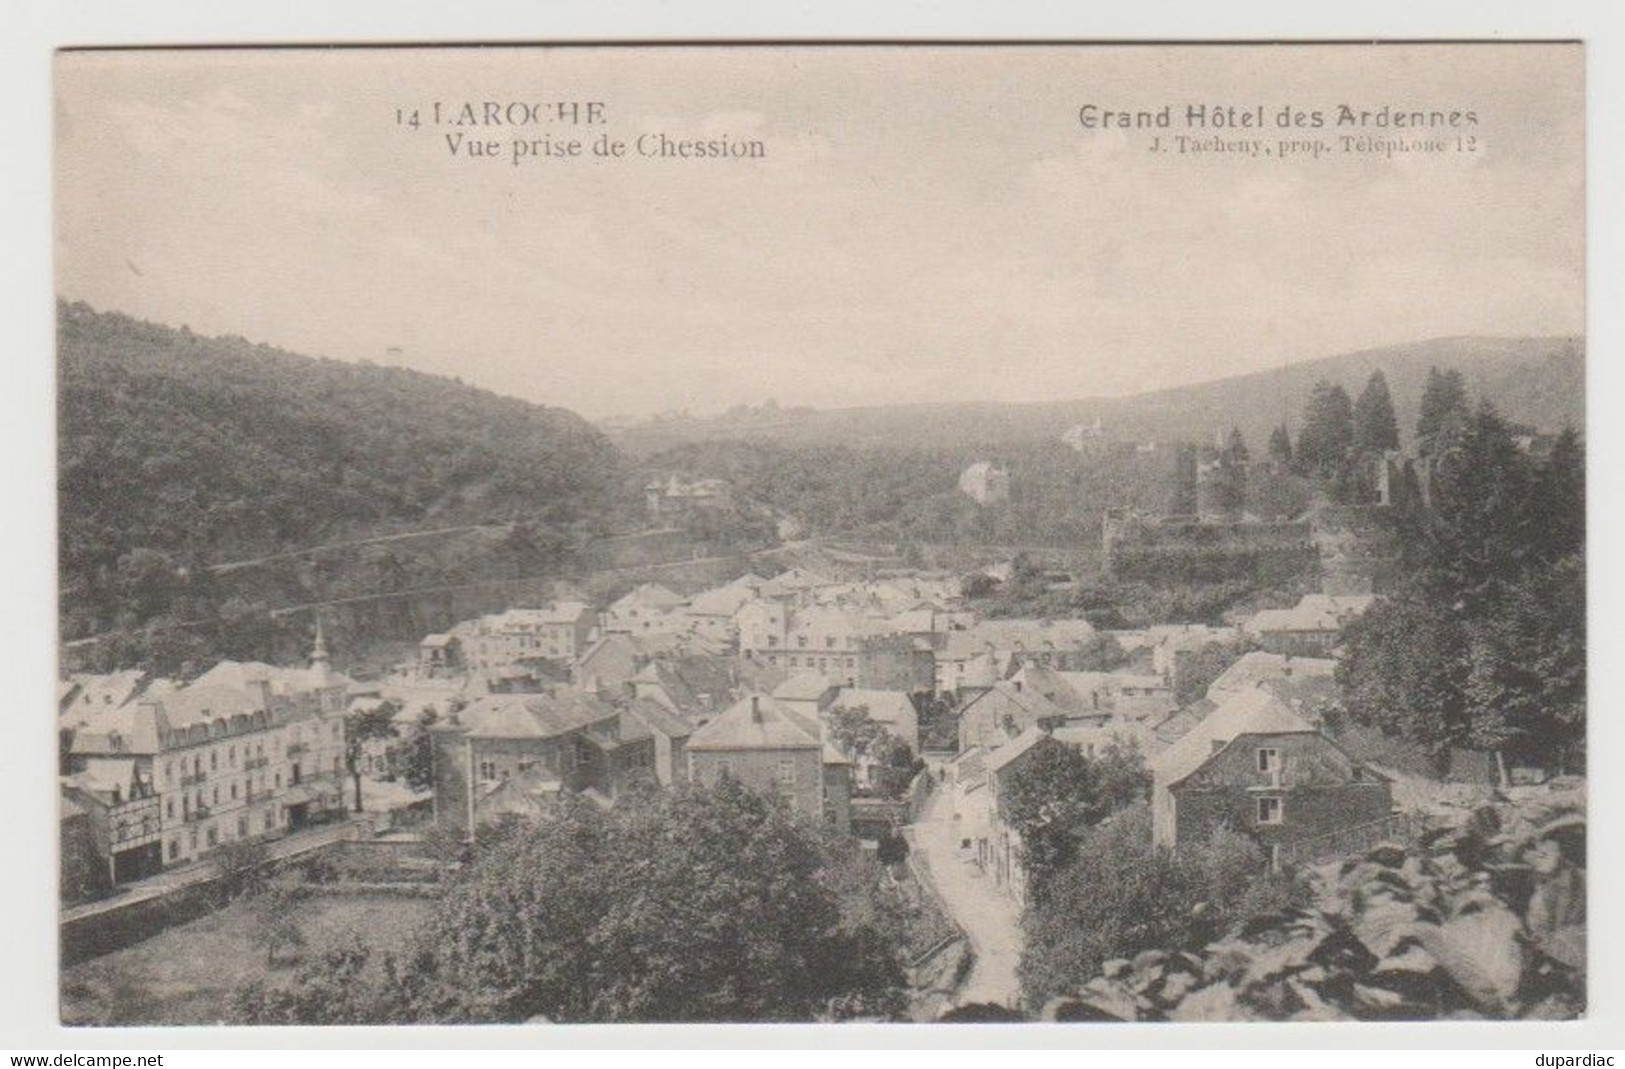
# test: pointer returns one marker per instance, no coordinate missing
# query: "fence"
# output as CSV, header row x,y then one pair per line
x,y
1395,828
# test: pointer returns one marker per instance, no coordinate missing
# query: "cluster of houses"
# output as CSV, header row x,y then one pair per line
x,y
747,679
676,496
1252,753
742,679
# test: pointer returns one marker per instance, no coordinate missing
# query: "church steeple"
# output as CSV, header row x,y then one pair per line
x,y
319,659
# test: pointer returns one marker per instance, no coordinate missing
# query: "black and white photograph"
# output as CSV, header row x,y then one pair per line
x,y
823,534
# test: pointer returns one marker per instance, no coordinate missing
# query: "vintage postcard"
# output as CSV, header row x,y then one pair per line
x,y
886,533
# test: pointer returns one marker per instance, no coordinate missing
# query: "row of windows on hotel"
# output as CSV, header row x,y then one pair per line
x,y
257,750
815,662
760,639
191,802
211,835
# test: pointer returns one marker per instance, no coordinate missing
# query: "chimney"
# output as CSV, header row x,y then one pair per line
x,y
146,726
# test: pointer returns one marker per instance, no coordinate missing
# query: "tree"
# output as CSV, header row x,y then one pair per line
x,y
419,771
1194,672
1122,778
894,766
891,764
1525,686
1281,445
1235,447
1119,895
275,923
1483,530
361,726
938,720
690,905
854,731
1375,428
1444,402
1404,671
1229,479
241,865
1057,794
1560,498
1483,645
1328,430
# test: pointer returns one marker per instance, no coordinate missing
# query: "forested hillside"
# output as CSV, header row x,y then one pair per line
x,y
178,452
1537,381
911,494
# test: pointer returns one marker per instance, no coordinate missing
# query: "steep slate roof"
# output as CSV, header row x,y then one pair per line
x,y
1177,723
97,693
648,596
1028,635
970,765
803,686
697,684
1013,749
1071,691
116,685
720,601
560,612
200,704
824,620
649,645
1256,667
885,706
1314,612
1307,696
660,718
240,675
792,581
533,716
1103,733
919,621
1032,701
1252,712
757,722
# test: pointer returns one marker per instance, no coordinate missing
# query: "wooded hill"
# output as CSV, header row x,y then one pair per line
x,y
177,452
1537,381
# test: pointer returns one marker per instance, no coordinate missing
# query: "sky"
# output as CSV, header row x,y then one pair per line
x,y
927,224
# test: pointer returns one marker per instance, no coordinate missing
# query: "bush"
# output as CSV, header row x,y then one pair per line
x,y
1120,897
1476,922
689,905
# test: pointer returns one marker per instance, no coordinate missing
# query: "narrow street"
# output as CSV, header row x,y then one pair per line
x,y
989,918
